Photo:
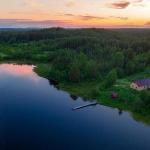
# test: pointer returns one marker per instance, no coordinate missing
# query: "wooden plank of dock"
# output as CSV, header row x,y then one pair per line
x,y
87,105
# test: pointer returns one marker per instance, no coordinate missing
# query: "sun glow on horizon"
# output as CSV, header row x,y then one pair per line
x,y
73,13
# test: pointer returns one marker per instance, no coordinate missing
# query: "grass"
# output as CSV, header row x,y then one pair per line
x,y
83,89
43,70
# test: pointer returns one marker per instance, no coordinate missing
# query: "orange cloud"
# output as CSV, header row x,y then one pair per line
x,y
119,5
121,18
147,23
82,17
85,17
125,3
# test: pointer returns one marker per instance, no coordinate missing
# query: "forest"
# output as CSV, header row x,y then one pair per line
x,y
87,62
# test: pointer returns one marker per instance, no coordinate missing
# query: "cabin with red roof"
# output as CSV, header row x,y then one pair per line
x,y
140,84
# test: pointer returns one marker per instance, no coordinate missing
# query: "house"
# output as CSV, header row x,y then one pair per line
x,y
140,84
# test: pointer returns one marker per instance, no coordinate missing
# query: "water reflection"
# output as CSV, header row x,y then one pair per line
x,y
74,97
35,115
120,111
17,70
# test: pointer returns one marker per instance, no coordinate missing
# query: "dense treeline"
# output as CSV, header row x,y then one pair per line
x,y
81,54
76,55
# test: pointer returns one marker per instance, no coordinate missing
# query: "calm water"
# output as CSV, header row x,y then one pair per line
x,y
36,116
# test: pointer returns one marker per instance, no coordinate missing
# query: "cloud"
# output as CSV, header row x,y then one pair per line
x,y
70,15
147,23
36,4
43,13
122,4
85,17
70,4
119,4
20,23
89,17
121,18
137,1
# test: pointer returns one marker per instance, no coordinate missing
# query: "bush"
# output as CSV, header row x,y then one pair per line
x,y
95,92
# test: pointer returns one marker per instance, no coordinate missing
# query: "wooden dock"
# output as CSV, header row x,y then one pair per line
x,y
87,105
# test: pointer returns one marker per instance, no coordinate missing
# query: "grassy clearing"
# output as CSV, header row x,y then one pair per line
x,y
85,89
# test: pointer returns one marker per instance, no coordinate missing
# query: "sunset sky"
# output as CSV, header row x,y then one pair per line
x,y
74,13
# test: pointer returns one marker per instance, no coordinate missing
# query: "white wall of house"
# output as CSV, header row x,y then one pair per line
x,y
136,87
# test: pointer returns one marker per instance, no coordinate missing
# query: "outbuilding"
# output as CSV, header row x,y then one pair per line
x,y
114,95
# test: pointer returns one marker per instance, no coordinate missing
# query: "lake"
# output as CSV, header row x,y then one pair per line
x,y
34,115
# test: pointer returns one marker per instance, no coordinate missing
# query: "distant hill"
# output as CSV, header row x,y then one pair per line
x,y
18,29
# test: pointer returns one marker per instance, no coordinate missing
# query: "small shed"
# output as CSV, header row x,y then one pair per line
x,y
114,95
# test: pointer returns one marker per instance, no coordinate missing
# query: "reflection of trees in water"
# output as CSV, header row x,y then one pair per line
x,y
141,118
138,117
120,111
54,83
74,97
